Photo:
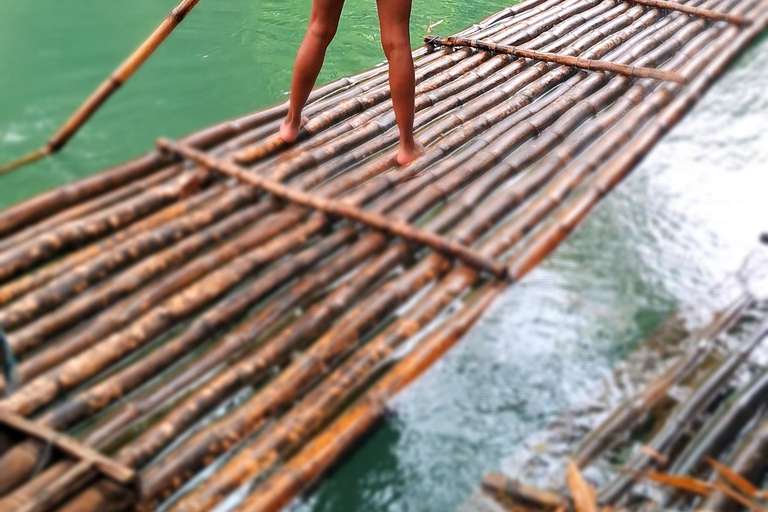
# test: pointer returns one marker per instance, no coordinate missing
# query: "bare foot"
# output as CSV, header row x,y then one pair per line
x,y
407,154
289,131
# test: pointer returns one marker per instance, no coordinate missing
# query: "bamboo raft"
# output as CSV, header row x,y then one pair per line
x,y
226,299
657,437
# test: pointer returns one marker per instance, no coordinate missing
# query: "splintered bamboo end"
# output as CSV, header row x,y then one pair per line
x,y
27,159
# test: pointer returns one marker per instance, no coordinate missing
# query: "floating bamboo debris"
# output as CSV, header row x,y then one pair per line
x,y
484,119
565,60
623,418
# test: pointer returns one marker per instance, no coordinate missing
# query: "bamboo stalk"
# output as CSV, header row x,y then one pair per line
x,y
588,64
108,87
213,204
712,439
696,11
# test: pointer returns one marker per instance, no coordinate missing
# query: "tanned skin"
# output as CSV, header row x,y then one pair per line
x,y
394,17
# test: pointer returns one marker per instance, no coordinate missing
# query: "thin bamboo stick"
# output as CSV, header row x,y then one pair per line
x,y
590,65
696,11
108,87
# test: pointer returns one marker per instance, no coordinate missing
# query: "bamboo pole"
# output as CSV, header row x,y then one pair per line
x,y
108,87
588,64
713,438
696,11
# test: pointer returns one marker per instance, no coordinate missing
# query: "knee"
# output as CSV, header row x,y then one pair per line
x,y
323,31
394,44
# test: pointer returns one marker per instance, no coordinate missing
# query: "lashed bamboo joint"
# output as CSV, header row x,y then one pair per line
x,y
588,64
340,209
143,300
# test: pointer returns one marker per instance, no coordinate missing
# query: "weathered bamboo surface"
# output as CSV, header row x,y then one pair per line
x,y
143,301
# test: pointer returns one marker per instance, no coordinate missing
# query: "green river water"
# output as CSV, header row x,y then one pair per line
x,y
684,220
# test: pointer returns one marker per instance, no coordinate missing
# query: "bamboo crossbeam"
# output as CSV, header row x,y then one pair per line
x,y
590,65
340,209
108,87
696,11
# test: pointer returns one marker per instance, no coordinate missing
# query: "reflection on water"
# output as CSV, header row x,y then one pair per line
x,y
684,220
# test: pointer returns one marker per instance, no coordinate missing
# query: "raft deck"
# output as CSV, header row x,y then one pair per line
x,y
228,299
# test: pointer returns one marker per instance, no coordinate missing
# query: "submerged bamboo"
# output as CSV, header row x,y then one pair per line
x,y
108,87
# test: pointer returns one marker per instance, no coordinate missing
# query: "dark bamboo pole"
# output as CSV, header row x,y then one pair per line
x,y
588,64
713,438
106,89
